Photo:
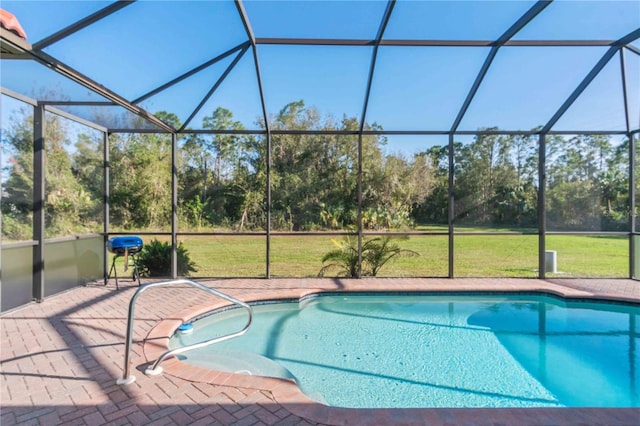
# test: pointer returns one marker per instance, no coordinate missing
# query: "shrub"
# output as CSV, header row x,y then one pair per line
x,y
155,260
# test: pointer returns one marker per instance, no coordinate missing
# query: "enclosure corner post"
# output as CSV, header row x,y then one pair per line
x,y
632,205
451,211
174,206
38,201
105,202
267,270
359,183
542,217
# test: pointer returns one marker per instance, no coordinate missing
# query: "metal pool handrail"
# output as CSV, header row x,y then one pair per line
x,y
156,369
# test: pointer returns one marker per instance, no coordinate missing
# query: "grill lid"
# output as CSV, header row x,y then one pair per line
x,y
119,244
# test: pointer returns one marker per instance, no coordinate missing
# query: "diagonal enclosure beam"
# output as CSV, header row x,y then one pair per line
x,y
633,49
524,20
625,97
372,67
92,85
12,46
77,26
215,86
626,40
191,72
76,76
501,41
610,53
245,21
252,39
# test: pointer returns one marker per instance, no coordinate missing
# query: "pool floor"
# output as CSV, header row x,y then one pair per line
x,y
434,351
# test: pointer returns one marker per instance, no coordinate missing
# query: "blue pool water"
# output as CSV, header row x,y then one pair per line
x,y
435,351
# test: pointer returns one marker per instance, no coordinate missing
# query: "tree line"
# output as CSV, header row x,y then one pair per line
x,y
222,179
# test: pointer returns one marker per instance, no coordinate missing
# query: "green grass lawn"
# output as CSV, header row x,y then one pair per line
x,y
590,256
475,255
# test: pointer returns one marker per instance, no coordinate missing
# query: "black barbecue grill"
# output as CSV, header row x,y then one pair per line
x,y
128,247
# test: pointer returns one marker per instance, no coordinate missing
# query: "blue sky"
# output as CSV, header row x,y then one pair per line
x,y
150,42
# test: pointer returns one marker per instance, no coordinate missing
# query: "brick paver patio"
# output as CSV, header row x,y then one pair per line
x,y
60,360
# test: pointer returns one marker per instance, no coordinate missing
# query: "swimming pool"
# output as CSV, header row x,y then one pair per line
x,y
435,351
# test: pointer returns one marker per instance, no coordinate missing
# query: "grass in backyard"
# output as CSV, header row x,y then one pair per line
x,y
590,256
227,255
475,255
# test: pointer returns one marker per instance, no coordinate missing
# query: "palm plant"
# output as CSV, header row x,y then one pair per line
x,y
344,257
376,252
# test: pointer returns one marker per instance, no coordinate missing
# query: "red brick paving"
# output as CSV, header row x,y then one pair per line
x,y
60,359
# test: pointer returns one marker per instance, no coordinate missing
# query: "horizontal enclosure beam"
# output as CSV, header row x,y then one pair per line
x,y
377,233
379,132
432,43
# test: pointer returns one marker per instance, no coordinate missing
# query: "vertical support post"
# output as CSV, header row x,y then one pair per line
x,y
39,173
265,117
451,211
268,206
359,181
632,167
174,206
632,205
106,175
542,215
363,120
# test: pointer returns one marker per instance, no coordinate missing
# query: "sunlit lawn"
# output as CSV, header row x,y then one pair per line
x,y
580,255
475,255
